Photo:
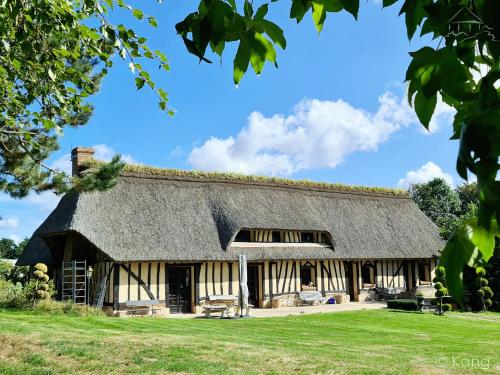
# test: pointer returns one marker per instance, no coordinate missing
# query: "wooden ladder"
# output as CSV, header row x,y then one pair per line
x,y
101,293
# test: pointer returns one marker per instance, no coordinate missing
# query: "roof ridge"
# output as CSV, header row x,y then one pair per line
x,y
144,171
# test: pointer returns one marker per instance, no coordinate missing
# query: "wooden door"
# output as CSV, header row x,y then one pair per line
x,y
179,289
253,284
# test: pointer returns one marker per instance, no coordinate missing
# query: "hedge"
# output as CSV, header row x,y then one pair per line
x,y
403,304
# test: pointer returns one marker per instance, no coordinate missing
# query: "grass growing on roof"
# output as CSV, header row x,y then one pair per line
x,y
236,177
360,342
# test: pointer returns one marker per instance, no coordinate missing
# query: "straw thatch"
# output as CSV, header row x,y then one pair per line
x,y
190,217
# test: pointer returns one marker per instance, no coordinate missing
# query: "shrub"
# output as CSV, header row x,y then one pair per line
x,y
403,304
447,307
10,294
38,289
440,286
65,308
41,267
481,298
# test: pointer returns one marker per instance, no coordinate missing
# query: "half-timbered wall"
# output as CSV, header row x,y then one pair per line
x,y
218,278
389,273
283,277
147,280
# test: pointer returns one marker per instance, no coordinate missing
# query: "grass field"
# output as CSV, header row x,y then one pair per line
x,y
361,342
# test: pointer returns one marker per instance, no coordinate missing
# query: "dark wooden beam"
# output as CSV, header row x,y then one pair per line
x,y
116,286
197,271
139,281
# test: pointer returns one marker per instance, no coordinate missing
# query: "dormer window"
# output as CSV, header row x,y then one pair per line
x,y
276,236
307,237
283,237
243,236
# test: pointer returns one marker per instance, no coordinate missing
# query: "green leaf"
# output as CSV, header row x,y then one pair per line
x,y
424,107
152,21
241,60
318,15
139,82
484,239
51,74
414,14
275,33
138,14
298,10
352,6
458,252
388,3
16,63
248,9
261,12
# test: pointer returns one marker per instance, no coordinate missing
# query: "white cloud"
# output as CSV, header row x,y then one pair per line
x,y
102,152
317,134
15,238
63,164
9,222
46,201
425,173
105,153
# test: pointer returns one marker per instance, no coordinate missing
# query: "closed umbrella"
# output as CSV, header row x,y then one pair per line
x,y
243,295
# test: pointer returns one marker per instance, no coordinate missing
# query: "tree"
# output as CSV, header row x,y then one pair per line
x,y
51,60
435,198
467,194
10,250
40,41
439,202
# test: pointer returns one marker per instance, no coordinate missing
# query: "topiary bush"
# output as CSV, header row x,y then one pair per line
x,y
39,286
403,304
493,276
482,293
441,290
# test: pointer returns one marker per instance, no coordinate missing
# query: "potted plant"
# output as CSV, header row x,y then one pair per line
x,y
420,300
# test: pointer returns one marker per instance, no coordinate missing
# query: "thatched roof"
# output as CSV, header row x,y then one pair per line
x,y
191,216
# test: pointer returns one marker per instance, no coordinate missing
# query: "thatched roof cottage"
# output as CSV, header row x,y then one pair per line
x,y
175,236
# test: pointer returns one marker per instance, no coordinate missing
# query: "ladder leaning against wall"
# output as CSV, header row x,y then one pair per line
x,y
74,281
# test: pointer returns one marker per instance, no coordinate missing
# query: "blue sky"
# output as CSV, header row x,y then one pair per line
x,y
335,110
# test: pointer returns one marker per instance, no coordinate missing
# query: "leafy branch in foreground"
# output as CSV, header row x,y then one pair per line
x,y
468,43
53,55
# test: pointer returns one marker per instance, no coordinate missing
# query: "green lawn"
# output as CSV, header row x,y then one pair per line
x,y
361,342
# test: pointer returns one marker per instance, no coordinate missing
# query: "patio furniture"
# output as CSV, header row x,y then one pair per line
x,y
311,297
143,307
220,303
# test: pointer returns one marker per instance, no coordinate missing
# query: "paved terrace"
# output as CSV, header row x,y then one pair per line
x,y
299,310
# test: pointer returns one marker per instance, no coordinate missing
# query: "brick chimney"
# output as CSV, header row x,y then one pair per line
x,y
80,155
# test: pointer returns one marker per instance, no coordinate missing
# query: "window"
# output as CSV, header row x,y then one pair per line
x,y
366,276
422,271
307,237
276,236
243,236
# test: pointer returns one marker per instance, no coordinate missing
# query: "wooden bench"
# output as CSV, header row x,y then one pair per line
x,y
209,309
143,307
312,297
219,304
